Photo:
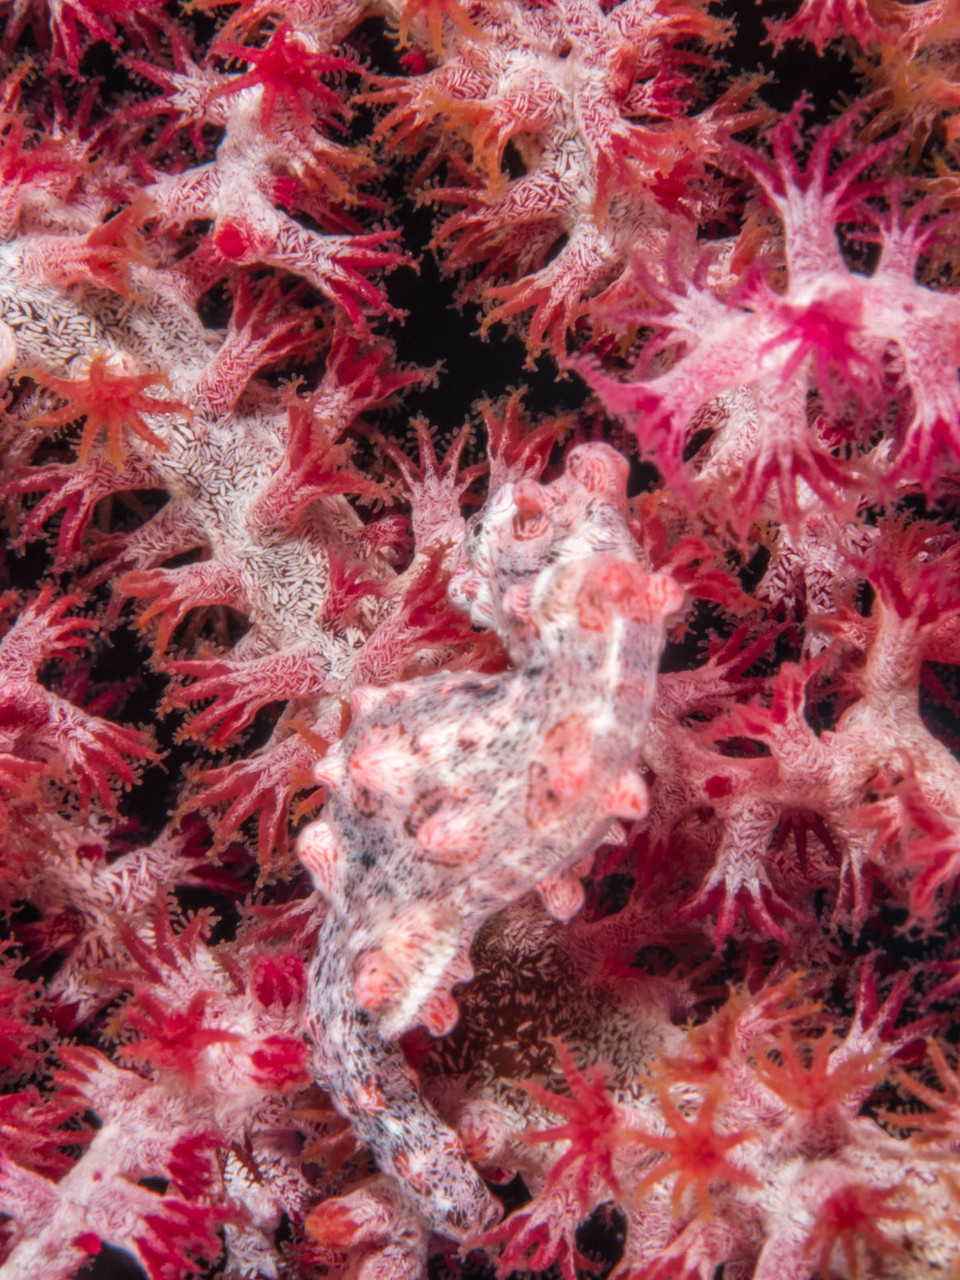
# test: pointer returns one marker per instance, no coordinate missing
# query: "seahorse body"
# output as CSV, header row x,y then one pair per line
x,y
456,794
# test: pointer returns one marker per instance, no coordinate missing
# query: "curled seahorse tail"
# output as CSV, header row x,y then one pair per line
x,y
373,1086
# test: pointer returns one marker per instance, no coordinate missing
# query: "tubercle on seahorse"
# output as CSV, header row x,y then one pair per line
x,y
455,794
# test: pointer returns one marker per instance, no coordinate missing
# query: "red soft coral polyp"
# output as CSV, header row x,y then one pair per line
x,y
278,980
279,1064
238,241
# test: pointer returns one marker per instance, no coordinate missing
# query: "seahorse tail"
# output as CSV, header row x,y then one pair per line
x,y
373,1086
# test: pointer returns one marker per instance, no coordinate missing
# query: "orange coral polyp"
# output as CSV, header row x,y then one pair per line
x,y
112,402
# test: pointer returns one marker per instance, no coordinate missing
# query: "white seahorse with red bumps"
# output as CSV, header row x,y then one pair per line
x,y
452,795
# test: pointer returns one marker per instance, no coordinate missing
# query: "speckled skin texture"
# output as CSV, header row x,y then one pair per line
x,y
453,795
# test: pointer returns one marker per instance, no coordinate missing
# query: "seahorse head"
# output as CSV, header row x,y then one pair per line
x,y
530,533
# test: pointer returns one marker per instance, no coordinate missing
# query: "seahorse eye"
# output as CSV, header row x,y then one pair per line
x,y
472,538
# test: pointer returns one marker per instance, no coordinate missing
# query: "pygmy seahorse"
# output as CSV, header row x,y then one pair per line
x,y
454,794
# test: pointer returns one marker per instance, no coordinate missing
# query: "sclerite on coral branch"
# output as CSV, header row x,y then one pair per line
x,y
615,718
454,795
